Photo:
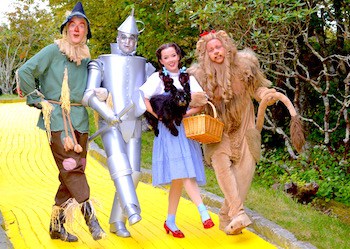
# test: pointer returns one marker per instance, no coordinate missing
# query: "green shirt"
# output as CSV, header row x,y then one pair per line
x,y
45,71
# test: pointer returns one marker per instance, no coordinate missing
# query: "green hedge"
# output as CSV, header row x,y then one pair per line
x,y
318,165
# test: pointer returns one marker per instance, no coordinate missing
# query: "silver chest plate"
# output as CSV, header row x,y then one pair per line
x,y
122,76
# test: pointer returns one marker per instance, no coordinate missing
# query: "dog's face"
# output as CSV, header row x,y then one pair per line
x,y
182,98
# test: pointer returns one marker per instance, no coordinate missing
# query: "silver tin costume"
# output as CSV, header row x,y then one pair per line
x,y
121,73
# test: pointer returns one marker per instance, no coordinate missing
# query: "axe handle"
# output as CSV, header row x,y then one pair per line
x,y
119,115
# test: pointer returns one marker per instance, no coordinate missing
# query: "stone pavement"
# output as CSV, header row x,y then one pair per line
x,y
28,183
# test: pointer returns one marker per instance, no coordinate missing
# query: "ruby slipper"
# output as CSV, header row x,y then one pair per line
x,y
176,234
208,223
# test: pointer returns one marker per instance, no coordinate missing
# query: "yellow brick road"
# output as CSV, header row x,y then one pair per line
x,y
28,183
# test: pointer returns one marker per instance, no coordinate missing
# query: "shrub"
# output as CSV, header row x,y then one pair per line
x,y
316,165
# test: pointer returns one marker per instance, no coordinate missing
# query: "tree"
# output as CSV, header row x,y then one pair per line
x,y
9,62
161,22
303,47
29,29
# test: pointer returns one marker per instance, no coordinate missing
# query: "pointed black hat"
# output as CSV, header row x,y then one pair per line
x,y
78,10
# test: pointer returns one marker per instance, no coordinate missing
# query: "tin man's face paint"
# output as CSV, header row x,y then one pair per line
x,y
127,42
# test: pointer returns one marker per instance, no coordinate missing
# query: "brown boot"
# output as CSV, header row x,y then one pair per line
x,y
91,221
57,230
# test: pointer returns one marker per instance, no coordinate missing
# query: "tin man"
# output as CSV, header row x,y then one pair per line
x,y
112,91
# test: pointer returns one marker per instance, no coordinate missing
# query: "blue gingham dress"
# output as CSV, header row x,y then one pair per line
x,y
174,157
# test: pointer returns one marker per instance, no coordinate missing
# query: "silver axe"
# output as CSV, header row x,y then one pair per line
x,y
119,116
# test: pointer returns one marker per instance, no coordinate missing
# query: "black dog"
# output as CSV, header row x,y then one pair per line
x,y
170,108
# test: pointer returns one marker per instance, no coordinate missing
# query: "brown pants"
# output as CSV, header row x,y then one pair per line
x,y
71,166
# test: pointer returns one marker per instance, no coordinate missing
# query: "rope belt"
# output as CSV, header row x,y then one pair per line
x,y
67,121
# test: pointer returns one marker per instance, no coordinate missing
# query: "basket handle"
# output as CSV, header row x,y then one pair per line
x,y
213,107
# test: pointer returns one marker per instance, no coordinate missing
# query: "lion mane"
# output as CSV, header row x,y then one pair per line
x,y
232,84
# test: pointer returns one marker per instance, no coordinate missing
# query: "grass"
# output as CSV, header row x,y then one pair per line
x,y
306,223
8,96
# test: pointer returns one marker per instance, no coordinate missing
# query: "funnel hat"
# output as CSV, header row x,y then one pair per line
x,y
129,25
78,11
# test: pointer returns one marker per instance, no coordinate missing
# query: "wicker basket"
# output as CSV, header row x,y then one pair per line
x,y
204,128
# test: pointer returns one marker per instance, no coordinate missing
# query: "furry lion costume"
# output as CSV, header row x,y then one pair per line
x,y
230,85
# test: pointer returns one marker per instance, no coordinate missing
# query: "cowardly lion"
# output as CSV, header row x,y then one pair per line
x,y
231,79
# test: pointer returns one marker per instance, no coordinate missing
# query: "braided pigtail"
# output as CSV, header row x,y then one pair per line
x,y
184,79
168,81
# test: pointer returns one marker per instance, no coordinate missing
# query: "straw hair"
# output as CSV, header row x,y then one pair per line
x,y
75,52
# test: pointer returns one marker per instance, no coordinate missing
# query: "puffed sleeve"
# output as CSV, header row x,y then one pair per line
x,y
195,87
152,86
198,96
